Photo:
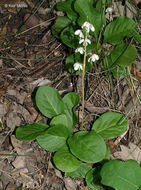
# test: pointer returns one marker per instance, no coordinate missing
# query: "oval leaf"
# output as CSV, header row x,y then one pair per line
x,y
49,101
123,55
71,100
88,13
93,178
61,23
58,120
118,29
87,146
67,6
80,172
121,175
110,125
31,131
65,161
67,36
54,138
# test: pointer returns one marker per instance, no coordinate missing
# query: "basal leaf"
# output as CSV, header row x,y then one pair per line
x,y
80,172
88,13
68,37
71,100
31,131
87,146
123,55
118,29
110,125
61,23
121,175
137,38
107,155
67,6
54,138
49,101
65,161
62,119
93,178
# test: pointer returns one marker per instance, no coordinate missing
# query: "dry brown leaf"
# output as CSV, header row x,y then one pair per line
x,y
1,62
70,183
91,108
11,187
3,33
133,152
135,2
30,21
136,73
19,162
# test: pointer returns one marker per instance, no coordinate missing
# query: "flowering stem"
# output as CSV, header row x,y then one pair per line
x,y
83,82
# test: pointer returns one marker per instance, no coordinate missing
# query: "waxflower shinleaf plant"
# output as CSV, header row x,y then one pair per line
x,y
74,151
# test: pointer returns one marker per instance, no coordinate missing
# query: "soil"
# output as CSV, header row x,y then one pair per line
x,y
30,56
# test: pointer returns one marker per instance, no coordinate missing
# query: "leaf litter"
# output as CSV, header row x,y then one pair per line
x,y
131,152
18,80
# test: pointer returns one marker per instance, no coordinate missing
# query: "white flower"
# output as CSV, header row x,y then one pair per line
x,y
87,26
109,10
93,58
78,66
79,33
85,42
80,50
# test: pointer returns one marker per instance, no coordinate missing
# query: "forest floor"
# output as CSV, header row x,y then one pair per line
x,y
30,56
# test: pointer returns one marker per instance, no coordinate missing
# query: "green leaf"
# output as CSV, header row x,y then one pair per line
x,y
87,146
68,37
88,13
61,23
71,100
93,178
123,55
137,38
65,161
54,138
49,101
62,119
80,172
66,6
107,155
121,175
31,131
118,29
110,125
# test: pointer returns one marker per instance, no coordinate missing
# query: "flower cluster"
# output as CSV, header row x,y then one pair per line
x,y
86,27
